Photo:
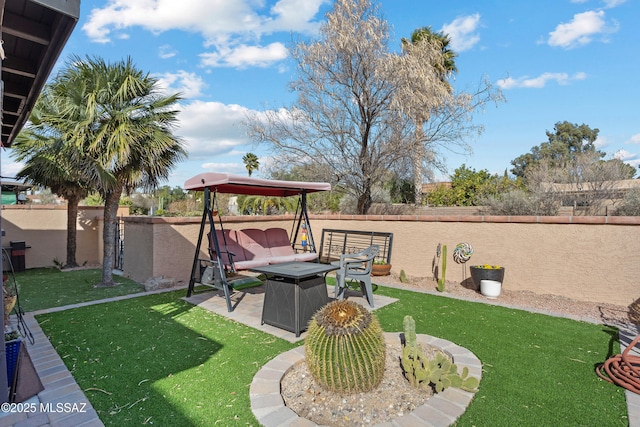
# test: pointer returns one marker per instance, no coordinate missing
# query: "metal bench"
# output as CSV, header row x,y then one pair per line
x,y
337,242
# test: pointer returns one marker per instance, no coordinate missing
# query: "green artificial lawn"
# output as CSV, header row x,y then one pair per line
x,y
162,361
159,360
41,288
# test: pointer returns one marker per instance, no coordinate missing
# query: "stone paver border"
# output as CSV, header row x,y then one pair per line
x,y
442,409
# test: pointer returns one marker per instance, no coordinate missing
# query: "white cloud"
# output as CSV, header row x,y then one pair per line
x,y
231,27
9,168
601,142
540,81
166,51
212,128
243,56
635,139
624,155
294,15
222,167
613,3
189,85
463,33
628,157
581,30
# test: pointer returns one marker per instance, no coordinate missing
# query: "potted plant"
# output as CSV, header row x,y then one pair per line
x,y
486,272
9,298
380,267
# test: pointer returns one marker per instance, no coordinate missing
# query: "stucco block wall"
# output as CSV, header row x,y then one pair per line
x,y
585,258
44,228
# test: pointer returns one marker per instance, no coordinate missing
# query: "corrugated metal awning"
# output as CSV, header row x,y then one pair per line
x,y
33,34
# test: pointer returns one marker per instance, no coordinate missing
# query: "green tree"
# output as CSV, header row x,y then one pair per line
x,y
250,162
563,145
401,190
50,161
320,201
265,205
125,127
470,187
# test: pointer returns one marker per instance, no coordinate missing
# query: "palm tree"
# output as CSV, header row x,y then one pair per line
x,y
250,162
267,205
48,163
445,66
125,128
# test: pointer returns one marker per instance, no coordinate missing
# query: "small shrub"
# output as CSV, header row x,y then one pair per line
x,y
518,202
630,205
403,277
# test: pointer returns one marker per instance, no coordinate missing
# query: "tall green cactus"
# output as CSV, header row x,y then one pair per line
x,y
345,348
438,373
412,358
441,279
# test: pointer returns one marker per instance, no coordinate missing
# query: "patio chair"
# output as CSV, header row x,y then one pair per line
x,y
356,267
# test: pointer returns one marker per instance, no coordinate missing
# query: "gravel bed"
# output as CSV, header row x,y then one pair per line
x,y
395,396
601,313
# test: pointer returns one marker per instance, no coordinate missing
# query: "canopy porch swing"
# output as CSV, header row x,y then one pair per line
x,y
233,250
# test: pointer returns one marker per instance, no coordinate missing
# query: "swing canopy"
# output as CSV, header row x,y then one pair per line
x,y
251,247
239,184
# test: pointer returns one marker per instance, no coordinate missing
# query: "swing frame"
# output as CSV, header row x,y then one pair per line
x,y
212,183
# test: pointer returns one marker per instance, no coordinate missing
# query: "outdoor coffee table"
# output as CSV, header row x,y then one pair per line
x,y
294,291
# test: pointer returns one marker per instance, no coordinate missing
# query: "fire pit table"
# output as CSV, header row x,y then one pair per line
x,y
294,291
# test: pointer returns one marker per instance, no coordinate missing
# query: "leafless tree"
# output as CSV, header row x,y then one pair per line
x,y
343,115
593,182
586,182
358,103
451,125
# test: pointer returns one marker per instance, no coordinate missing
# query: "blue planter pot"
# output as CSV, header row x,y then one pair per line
x,y
12,348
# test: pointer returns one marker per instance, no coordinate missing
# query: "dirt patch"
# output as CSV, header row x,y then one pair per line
x,y
602,313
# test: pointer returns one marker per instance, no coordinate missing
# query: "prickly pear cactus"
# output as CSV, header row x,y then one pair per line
x,y
345,348
439,373
413,360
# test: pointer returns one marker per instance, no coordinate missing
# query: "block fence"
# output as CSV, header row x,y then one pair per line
x,y
584,258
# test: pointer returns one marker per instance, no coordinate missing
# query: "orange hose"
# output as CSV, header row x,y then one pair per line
x,y
622,369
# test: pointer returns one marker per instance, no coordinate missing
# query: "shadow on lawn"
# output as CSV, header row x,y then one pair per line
x,y
133,368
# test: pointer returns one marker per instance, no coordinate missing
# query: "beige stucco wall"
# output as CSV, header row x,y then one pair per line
x,y
585,258
44,229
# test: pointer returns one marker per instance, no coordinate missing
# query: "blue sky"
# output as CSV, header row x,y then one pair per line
x,y
555,60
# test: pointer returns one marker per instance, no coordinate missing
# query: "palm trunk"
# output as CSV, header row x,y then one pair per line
x,y
111,203
417,157
72,230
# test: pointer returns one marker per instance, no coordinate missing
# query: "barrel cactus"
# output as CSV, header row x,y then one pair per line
x,y
345,348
